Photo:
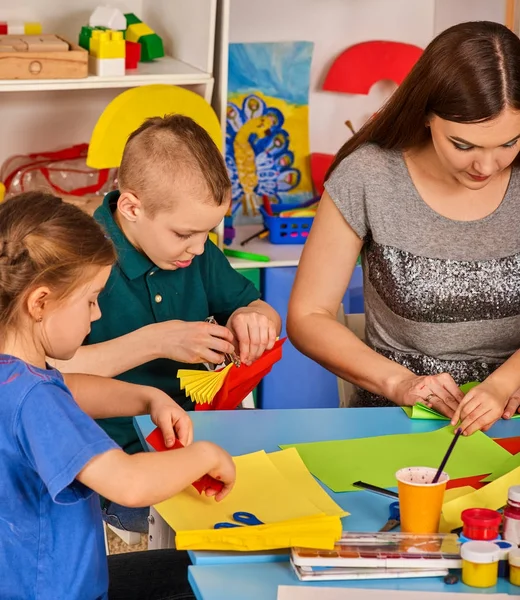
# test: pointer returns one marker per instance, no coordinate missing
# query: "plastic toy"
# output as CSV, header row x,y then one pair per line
x,y
109,17
107,44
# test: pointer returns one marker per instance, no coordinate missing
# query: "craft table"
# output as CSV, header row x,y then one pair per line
x,y
215,576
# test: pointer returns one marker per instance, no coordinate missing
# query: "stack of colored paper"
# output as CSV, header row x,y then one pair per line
x,y
421,411
202,386
224,389
278,490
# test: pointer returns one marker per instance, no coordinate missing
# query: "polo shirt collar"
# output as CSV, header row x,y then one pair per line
x,y
133,263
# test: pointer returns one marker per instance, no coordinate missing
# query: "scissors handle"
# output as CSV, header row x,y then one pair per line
x,y
225,525
246,518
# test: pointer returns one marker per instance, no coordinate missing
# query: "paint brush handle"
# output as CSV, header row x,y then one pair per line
x,y
376,490
447,455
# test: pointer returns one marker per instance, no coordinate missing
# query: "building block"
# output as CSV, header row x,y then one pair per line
x,y
3,28
32,28
85,34
15,28
133,54
109,17
106,67
151,47
138,30
107,44
131,19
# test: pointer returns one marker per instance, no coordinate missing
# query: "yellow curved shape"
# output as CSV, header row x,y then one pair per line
x,y
128,111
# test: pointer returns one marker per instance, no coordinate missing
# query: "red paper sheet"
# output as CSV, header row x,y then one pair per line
x,y
156,441
241,381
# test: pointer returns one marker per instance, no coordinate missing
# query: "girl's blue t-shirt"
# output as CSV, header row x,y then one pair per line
x,y
51,532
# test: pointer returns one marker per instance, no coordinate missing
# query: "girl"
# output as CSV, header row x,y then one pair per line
x,y
428,191
54,261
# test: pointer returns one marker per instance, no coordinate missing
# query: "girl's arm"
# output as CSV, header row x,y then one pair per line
x,y
103,398
151,477
328,260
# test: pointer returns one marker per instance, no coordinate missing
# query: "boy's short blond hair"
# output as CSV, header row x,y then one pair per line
x,y
165,148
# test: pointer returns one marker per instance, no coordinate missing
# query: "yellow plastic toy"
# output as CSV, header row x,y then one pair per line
x,y
128,111
107,44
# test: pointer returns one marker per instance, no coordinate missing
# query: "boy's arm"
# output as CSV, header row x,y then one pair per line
x,y
103,398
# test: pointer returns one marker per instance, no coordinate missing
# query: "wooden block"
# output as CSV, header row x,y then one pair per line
x,y
42,43
69,64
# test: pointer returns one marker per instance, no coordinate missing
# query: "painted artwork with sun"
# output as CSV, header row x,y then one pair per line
x,y
267,142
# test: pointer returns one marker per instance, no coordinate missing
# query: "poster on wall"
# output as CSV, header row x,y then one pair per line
x,y
267,132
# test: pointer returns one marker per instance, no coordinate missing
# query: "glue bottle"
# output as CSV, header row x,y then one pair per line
x,y
480,564
512,516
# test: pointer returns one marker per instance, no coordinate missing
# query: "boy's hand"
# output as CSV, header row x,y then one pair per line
x,y
191,342
480,408
171,419
253,331
224,471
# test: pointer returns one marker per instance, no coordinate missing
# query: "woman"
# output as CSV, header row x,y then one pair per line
x,y
428,191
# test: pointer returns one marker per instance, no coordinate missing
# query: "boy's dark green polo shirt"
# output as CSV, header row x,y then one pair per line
x,y
138,293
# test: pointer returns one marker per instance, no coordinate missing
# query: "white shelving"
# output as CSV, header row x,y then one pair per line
x,y
165,70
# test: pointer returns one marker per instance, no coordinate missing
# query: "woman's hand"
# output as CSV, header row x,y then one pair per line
x,y
481,407
439,392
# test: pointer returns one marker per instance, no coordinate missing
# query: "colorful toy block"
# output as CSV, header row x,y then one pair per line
x,y
107,44
106,67
32,28
133,54
131,19
109,17
138,30
151,47
3,28
151,43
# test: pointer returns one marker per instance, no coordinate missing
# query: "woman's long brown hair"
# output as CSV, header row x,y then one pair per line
x,y
467,74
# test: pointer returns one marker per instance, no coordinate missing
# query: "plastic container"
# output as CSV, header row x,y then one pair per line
x,y
503,560
481,524
420,500
480,564
286,230
512,516
514,567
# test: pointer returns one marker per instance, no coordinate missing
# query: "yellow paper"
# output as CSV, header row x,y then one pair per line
x,y
449,495
291,509
493,496
202,386
289,463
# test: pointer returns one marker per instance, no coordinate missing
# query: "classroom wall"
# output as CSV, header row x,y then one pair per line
x,y
334,25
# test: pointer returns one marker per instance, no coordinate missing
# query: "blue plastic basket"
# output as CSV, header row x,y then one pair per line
x,y
286,230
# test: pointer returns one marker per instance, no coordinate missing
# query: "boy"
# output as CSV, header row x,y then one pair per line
x,y
173,189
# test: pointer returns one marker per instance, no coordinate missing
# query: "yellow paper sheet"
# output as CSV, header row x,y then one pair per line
x,y
493,496
449,495
289,463
261,488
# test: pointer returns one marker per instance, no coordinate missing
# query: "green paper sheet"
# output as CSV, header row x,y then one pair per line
x,y
375,460
509,465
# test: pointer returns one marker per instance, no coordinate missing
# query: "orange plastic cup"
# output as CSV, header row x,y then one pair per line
x,y
420,501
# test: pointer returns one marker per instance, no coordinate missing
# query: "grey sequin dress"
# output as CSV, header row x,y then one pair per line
x,y
440,295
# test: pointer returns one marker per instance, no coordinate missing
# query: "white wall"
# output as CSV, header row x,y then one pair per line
x,y
451,12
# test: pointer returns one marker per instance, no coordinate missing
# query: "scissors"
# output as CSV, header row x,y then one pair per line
x,y
229,358
240,518
394,518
